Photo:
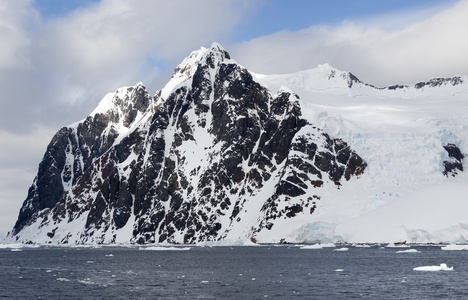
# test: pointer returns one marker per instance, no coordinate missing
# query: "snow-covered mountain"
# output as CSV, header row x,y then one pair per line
x,y
224,154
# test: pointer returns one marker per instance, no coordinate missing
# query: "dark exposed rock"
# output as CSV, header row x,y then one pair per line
x,y
434,82
456,160
150,178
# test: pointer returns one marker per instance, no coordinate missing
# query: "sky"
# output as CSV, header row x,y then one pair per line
x,y
60,57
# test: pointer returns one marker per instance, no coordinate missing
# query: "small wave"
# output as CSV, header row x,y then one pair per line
x,y
62,279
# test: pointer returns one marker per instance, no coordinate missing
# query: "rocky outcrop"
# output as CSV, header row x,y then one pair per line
x,y
73,149
455,164
433,82
213,152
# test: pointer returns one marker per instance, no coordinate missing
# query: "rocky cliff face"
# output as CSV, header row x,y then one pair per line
x,y
214,155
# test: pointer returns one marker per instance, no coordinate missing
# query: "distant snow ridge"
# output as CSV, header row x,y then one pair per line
x,y
223,155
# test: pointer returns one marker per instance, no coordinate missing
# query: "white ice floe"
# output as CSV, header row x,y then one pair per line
x,y
409,251
442,267
341,249
318,246
158,248
455,247
314,246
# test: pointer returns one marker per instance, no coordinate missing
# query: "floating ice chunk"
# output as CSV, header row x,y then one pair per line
x,y
156,248
392,245
314,246
318,246
341,249
442,267
409,251
455,247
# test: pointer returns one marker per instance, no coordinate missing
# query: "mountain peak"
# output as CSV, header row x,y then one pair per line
x,y
123,107
212,57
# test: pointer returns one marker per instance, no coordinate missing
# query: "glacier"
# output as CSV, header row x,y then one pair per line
x,y
400,132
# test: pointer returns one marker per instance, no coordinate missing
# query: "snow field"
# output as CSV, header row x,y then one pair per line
x,y
403,195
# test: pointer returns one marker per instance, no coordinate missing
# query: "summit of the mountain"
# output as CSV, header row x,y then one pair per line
x,y
212,57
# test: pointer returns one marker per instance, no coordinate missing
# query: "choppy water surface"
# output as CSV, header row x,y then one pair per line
x,y
278,272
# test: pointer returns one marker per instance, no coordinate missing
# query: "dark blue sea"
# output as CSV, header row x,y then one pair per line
x,y
257,272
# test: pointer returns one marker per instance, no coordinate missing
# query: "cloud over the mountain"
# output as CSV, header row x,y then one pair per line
x,y
373,50
74,60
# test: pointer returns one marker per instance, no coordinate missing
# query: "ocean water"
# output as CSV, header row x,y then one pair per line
x,y
257,272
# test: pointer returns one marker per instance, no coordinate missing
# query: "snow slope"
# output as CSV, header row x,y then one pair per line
x,y
400,133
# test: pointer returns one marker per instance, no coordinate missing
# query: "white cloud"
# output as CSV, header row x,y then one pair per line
x,y
436,46
20,155
15,16
116,38
55,71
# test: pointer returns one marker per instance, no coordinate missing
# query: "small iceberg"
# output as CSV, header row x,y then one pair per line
x,y
341,249
318,246
409,251
455,247
442,267
315,246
